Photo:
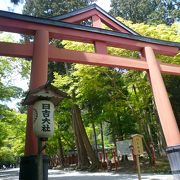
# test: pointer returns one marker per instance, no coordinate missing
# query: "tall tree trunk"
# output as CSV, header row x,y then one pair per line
x,y
66,68
162,143
83,161
102,141
95,138
89,149
148,117
147,134
94,130
61,152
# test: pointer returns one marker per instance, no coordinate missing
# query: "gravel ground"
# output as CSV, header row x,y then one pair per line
x,y
12,174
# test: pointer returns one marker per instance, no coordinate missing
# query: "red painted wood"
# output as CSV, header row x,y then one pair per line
x,y
16,49
100,47
39,72
111,24
169,68
60,55
63,55
96,21
83,36
163,105
88,14
80,17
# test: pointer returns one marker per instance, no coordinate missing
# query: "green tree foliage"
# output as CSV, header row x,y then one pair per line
x,y
9,69
150,11
12,136
173,87
68,83
102,94
169,33
46,8
12,123
136,11
63,130
166,12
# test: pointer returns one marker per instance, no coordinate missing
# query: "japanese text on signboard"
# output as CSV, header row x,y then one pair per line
x,y
46,118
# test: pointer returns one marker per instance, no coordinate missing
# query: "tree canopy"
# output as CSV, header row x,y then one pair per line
x,y
46,8
147,11
12,122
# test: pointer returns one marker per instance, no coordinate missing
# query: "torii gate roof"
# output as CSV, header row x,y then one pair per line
x,y
87,12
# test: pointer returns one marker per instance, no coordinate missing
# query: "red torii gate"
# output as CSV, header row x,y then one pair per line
x,y
122,37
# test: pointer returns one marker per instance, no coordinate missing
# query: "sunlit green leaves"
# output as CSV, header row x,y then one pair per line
x,y
12,135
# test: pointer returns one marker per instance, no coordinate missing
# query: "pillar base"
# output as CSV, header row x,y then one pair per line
x,y
173,153
28,168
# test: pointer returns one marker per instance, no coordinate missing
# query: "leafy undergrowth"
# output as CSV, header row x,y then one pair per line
x,y
161,166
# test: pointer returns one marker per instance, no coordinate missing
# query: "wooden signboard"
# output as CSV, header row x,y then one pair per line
x,y
137,150
137,144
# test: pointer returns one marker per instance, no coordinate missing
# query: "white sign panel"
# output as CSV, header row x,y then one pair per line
x,y
43,119
123,147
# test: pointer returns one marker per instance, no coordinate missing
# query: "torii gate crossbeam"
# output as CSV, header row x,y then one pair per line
x,y
69,56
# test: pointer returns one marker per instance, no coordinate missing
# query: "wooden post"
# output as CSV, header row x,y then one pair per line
x,y
100,47
153,154
114,156
165,112
137,150
40,160
138,167
39,73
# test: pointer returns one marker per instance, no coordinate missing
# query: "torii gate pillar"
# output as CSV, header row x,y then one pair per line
x,y
39,74
165,112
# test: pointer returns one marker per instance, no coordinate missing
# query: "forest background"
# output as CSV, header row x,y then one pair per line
x,y
106,104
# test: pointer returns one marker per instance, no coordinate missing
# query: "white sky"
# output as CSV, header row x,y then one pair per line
x,y
6,5
104,4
